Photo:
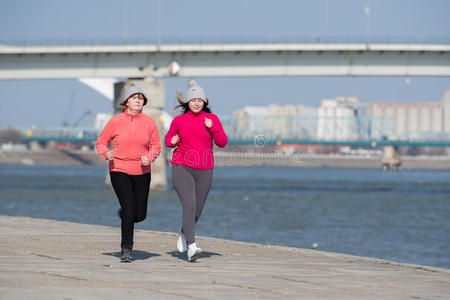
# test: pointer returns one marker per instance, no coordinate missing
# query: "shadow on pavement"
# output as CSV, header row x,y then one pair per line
x,y
183,256
137,254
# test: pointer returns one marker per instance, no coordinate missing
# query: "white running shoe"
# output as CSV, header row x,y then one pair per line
x,y
193,252
181,243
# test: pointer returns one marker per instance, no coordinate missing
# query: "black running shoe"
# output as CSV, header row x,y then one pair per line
x,y
125,255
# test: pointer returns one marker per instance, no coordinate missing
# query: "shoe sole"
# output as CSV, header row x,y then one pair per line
x,y
195,256
125,260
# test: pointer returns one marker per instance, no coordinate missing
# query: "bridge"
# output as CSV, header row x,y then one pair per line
x,y
219,60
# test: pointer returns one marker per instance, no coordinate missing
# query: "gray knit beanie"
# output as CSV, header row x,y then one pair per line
x,y
131,90
195,92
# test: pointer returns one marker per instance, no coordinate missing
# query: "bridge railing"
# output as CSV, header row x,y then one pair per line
x,y
63,134
227,40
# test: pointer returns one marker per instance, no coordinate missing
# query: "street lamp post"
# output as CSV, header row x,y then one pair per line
x,y
367,13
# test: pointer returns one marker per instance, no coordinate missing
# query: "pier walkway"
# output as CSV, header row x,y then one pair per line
x,y
46,259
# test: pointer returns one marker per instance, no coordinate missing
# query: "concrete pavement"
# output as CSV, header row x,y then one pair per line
x,y
46,259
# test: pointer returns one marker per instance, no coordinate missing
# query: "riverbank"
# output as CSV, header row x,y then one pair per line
x,y
237,159
46,259
232,159
51,157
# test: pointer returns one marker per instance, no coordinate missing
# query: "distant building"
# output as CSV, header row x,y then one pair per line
x,y
445,105
341,119
275,121
250,121
410,121
101,119
337,119
282,121
307,122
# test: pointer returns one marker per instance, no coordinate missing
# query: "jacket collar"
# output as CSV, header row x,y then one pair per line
x,y
191,113
130,116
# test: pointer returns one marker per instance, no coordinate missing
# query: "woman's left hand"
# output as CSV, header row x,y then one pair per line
x,y
145,161
208,123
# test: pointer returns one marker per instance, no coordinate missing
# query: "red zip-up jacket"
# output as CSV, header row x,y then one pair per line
x,y
132,136
195,149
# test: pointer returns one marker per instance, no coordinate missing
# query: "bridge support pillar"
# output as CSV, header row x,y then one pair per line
x,y
390,159
155,91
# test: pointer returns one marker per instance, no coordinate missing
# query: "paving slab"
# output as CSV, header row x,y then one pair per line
x,y
47,259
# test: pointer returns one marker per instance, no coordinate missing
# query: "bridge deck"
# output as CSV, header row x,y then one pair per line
x,y
219,60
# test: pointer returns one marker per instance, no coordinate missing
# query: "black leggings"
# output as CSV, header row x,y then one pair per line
x,y
192,187
132,191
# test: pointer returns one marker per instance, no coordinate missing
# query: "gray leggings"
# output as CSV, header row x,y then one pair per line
x,y
192,187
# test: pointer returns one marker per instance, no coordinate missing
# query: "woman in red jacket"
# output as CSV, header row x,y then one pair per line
x,y
192,134
135,145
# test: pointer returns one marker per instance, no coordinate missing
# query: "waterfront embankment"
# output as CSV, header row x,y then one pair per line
x,y
51,157
233,159
237,159
46,259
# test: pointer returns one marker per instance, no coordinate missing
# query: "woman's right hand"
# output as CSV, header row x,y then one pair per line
x,y
175,139
109,155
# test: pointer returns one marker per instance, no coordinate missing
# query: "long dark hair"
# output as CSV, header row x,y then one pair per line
x,y
185,105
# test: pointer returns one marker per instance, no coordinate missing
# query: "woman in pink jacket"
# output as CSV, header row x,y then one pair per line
x,y
135,145
192,134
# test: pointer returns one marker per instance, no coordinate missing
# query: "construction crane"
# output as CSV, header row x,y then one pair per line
x,y
80,118
69,111
66,116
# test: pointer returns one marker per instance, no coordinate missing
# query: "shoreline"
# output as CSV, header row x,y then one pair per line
x,y
233,159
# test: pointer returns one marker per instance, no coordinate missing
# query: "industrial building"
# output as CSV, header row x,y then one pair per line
x,y
345,119
275,121
410,121
337,119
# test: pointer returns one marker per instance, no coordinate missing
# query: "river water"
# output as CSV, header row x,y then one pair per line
x,y
401,216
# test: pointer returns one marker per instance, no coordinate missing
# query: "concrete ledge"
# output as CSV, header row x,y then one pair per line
x,y
46,259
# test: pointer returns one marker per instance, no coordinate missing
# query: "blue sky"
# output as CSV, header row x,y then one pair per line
x,y
46,102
